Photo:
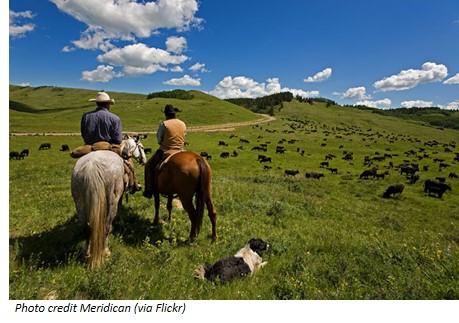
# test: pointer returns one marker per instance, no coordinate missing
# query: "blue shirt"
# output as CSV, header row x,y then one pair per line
x,y
101,125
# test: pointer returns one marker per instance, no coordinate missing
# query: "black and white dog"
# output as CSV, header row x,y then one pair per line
x,y
245,262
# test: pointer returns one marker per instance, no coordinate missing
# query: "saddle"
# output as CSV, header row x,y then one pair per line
x,y
100,145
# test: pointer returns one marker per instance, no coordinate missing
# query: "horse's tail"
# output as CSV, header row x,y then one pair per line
x,y
202,193
96,211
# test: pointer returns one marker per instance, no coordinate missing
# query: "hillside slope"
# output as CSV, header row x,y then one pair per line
x,y
56,109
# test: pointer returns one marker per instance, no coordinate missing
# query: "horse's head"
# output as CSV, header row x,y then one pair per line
x,y
134,148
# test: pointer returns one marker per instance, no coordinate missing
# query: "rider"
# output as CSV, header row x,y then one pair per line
x,y
100,127
171,139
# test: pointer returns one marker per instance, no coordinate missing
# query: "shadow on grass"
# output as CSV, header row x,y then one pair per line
x,y
67,241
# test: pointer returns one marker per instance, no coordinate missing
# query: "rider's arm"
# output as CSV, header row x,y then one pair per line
x,y
83,128
160,132
117,132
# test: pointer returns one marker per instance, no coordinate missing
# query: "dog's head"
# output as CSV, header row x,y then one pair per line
x,y
258,245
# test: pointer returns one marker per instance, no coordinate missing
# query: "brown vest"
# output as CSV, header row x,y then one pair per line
x,y
174,136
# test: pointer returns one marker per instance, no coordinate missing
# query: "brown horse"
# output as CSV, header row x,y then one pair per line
x,y
186,174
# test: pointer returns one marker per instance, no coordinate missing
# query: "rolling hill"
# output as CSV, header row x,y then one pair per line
x,y
57,109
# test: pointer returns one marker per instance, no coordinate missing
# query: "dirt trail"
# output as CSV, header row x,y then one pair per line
x,y
208,128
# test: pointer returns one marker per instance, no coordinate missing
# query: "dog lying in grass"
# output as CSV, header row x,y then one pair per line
x,y
245,262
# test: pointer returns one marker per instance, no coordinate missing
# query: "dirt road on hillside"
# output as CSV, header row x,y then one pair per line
x,y
208,128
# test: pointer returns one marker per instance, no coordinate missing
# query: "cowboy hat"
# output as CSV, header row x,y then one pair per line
x,y
102,97
170,109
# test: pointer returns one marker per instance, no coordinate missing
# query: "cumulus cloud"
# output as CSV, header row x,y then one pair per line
x,y
176,44
198,67
17,27
380,104
103,73
416,104
356,93
408,79
244,87
453,105
139,59
186,80
176,69
24,84
128,19
452,80
319,77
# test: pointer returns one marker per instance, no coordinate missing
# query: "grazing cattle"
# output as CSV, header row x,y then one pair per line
x,y
280,150
367,173
333,170
225,154
222,143
291,172
413,179
234,154
393,189
266,167
260,148
381,175
14,155
44,146
313,175
324,164
453,175
244,141
25,152
441,179
431,186
265,159
442,165
65,148
408,170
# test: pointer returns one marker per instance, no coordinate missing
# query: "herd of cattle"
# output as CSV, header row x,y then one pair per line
x,y
425,152
378,166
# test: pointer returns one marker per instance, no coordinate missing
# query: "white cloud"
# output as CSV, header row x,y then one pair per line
x,y
128,19
356,93
244,87
68,49
408,79
24,84
17,28
452,80
380,104
140,59
198,67
184,81
416,104
176,44
176,69
453,105
103,73
319,77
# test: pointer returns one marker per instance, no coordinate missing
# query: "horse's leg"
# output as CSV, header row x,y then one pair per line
x,y
156,197
187,202
169,207
212,216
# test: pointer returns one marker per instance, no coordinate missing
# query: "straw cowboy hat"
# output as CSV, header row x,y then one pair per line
x,y
103,97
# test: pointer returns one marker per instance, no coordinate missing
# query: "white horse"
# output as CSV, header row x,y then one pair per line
x,y
98,182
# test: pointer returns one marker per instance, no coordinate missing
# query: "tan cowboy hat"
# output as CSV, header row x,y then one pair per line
x,y
102,97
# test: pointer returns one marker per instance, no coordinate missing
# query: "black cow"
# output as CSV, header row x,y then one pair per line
x,y
25,152
393,189
453,175
291,172
431,186
44,146
225,154
324,164
14,155
367,173
222,143
65,148
313,175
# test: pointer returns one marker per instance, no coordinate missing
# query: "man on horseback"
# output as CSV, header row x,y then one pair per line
x,y
102,130
171,139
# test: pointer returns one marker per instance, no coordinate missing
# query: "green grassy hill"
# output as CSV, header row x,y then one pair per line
x,y
333,238
56,109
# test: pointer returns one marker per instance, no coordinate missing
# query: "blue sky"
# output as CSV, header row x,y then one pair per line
x,y
387,53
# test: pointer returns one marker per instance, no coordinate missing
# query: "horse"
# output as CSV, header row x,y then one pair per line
x,y
98,183
187,174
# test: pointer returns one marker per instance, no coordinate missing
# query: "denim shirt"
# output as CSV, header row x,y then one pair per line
x,y
101,125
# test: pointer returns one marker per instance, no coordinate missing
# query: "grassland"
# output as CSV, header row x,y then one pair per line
x,y
56,109
335,238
